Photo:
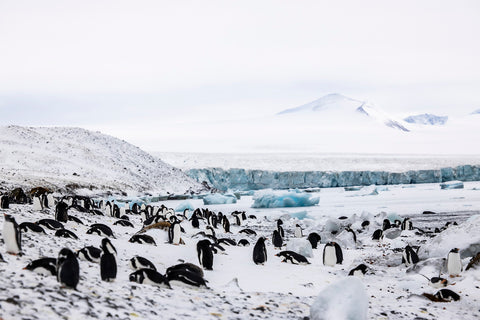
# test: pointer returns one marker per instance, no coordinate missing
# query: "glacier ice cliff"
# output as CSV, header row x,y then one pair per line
x,y
242,180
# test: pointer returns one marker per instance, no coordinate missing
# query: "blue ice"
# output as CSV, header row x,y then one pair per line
x,y
284,199
217,198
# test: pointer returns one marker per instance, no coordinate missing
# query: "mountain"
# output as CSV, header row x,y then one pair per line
x,y
427,119
57,157
337,106
476,112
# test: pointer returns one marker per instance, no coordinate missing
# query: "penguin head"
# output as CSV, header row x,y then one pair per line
x,y
107,246
455,250
9,218
65,254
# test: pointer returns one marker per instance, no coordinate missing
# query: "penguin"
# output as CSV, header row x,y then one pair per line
x,y
292,257
210,231
298,231
108,262
365,224
137,263
314,239
174,233
354,236
205,254
238,218
123,223
447,295
332,254
195,222
108,209
409,256
61,212
90,253
101,229
4,202
386,224
252,216
68,269
50,224
30,226
227,241
142,238
75,219
277,240
377,235
436,282
243,243
96,212
44,266
226,224
12,235
187,276
358,271
407,224
248,232
454,262
149,276
64,233
135,208
280,228
260,251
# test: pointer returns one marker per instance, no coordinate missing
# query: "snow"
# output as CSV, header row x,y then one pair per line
x,y
61,157
300,246
282,291
271,199
345,299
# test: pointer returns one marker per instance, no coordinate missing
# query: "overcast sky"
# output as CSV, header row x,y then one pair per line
x,y
100,63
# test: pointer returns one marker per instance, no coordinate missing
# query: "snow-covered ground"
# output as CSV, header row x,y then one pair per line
x,y
275,290
57,157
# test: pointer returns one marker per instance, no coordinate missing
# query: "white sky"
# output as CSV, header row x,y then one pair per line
x,y
101,63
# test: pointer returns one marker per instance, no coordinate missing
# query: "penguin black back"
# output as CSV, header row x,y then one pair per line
x,y
260,251
68,269
314,238
205,254
277,239
61,212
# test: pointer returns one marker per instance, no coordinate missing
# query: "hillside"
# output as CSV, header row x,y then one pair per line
x,y
56,157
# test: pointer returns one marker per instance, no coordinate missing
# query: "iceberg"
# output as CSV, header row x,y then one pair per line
x,y
344,299
184,205
452,185
217,198
270,199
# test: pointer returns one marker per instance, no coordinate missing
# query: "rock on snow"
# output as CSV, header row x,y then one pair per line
x,y
343,300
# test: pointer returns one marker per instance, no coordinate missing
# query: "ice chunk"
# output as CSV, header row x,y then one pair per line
x,y
464,236
184,205
271,199
299,215
345,299
217,198
452,185
300,246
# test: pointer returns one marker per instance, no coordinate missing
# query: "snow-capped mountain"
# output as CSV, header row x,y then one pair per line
x,y
56,157
427,119
337,105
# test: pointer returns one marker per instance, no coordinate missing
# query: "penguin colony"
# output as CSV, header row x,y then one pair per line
x,y
214,237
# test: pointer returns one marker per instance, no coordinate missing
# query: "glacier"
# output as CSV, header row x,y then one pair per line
x,y
244,180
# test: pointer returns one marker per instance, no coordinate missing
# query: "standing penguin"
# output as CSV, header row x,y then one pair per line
x,y
314,239
108,262
409,256
332,254
454,262
174,233
12,236
407,224
195,222
68,270
260,251
277,240
4,202
205,254
226,224
280,228
61,212
298,231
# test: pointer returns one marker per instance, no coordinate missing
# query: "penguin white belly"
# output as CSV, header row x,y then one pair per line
x,y
454,264
37,205
176,234
10,238
358,273
298,233
330,256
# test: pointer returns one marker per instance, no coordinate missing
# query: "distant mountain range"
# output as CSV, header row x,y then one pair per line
x,y
427,119
338,105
